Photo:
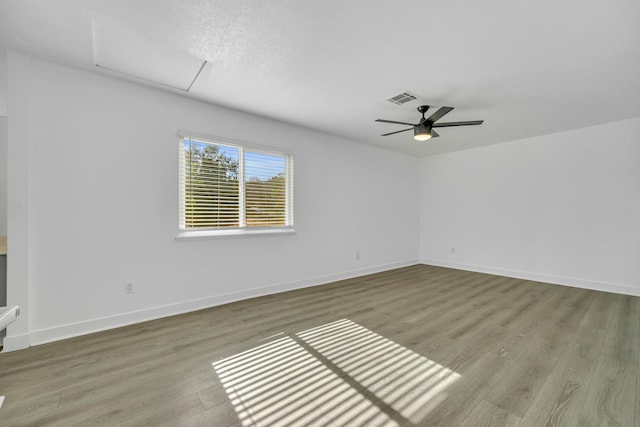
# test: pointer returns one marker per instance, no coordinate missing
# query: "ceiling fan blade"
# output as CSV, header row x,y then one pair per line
x,y
439,114
398,131
434,134
397,123
449,124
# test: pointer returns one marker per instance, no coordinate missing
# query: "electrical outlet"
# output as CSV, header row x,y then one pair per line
x,y
453,250
357,256
128,287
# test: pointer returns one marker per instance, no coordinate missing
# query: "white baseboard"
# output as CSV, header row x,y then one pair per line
x,y
15,342
57,333
539,277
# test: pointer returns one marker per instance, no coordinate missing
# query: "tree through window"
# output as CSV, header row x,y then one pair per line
x,y
225,186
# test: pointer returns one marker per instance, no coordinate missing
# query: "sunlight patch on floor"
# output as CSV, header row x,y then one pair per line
x,y
339,373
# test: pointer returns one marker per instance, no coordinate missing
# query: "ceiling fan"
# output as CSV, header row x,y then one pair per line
x,y
423,130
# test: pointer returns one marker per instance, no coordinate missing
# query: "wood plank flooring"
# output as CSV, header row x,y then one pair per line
x,y
417,346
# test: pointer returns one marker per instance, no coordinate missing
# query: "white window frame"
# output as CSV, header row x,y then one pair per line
x,y
186,234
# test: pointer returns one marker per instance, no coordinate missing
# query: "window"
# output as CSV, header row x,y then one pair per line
x,y
233,189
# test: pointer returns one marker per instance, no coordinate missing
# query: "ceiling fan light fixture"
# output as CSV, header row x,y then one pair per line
x,y
422,137
422,132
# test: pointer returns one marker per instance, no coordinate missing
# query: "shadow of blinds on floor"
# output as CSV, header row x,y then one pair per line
x,y
339,373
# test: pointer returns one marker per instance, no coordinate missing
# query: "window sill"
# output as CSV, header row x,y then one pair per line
x,y
218,234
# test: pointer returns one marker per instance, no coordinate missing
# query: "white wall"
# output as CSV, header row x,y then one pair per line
x,y
3,176
3,144
19,269
3,83
562,208
102,180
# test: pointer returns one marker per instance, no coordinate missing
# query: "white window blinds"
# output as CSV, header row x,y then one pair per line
x,y
224,186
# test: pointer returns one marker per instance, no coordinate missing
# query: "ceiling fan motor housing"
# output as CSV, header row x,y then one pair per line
x,y
422,128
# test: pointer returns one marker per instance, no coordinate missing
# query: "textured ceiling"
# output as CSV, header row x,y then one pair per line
x,y
526,67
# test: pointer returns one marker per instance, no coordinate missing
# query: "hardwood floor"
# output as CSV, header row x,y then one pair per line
x,y
417,346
